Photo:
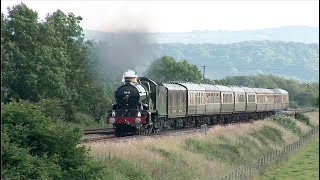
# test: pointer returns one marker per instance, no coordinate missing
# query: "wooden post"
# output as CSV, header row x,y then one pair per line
x,y
290,148
273,156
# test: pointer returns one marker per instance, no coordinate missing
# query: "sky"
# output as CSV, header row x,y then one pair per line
x,y
181,16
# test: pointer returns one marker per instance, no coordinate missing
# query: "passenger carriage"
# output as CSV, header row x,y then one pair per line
x,y
251,103
227,99
239,99
195,98
212,99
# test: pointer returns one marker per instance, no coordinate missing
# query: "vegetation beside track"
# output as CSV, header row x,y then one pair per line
x,y
200,156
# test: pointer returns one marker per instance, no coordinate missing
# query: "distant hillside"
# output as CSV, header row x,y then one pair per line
x,y
290,33
288,59
291,52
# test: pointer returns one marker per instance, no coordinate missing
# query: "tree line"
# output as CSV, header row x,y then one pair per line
x,y
289,59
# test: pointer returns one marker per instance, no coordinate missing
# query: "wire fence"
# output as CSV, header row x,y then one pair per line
x,y
249,171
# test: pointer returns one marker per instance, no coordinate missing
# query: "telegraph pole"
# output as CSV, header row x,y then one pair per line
x,y
204,70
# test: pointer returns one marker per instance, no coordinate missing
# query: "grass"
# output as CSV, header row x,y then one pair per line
x,y
303,118
288,123
267,135
117,168
304,164
244,150
195,155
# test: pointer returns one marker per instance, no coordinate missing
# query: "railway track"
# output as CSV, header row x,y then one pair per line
x,y
111,137
96,135
99,131
302,110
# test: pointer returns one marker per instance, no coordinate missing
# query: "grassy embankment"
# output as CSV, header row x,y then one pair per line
x,y
302,165
199,156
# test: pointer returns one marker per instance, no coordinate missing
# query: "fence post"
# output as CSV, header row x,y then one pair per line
x,y
269,158
236,174
232,176
246,169
252,171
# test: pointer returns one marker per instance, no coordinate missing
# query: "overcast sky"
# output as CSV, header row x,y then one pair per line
x,y
181,16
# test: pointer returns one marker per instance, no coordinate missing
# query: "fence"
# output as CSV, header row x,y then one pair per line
x,y
249,171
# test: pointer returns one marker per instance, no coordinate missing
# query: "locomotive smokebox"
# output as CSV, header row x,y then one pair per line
x,y
132,93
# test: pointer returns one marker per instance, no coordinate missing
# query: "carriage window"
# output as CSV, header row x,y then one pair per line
x,y
278,99
217,98
227,98
251,98
240,98
270,99
260,98
285,98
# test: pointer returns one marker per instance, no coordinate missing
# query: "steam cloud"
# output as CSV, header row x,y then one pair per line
x,y
129,47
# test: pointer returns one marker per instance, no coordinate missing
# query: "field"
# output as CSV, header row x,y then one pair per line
x,y
304,164
198,155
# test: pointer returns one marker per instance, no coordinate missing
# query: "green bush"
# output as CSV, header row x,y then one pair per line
x,y
84,119
35,147
244,150
227,153
288,123
303,118
293,104
52,108
270,133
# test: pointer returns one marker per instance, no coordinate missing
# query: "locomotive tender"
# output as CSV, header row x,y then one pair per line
x,y
143,106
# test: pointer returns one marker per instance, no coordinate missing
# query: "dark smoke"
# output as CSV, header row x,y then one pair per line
x,y
126,50
128,46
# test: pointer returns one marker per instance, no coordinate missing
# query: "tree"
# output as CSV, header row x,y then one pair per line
x,y
35,147
50,60
32,68
167,69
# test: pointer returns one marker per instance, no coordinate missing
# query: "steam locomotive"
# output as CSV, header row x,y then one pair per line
x,y
143,106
